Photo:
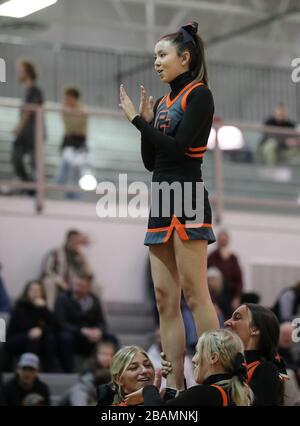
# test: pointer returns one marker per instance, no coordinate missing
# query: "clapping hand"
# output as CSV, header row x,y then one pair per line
x,y
146,106
126,104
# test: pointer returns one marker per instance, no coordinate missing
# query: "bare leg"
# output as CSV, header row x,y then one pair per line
x,y
168,292
191,260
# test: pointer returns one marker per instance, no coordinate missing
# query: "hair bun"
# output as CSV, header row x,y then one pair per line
x,y
191,27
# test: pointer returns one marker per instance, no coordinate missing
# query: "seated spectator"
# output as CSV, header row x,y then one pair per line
x,y
82,322
292,386
4,299
287,305
218,295
227,262
73,148
83,393
25,388
154,354
274,146
32,326
62,265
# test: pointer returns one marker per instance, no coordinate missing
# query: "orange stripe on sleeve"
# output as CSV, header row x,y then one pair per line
x,y
201,148
194,155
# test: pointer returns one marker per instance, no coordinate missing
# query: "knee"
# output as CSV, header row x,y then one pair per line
x,y
168,302
191,292
191,301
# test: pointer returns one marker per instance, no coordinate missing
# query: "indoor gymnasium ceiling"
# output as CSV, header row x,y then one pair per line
x,y
258,31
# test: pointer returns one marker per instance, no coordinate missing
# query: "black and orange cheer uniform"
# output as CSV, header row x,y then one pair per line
x,y
265,378
209,394
173,147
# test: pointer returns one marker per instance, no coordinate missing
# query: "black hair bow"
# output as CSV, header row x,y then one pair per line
x,y
239,368
188,32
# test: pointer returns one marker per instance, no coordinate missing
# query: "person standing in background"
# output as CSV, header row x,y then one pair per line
x,y
227,262
73,147
24,143
62,266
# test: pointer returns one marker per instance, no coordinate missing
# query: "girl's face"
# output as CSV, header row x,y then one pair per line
x,y
138,374
167,63
34,292
240,323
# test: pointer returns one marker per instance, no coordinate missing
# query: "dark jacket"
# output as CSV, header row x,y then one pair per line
x,y
72,316
4,299
205,395
265,382
25,316
287,305
12,394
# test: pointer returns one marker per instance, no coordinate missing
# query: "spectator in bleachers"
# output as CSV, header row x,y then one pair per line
x,y
287,305
32,326
4,299
274,146
227,262
82,322
73,147
62,265
25,388
154,354
24,132
83,393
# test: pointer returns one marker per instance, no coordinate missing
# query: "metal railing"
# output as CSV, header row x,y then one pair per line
x,y
241,91
218,197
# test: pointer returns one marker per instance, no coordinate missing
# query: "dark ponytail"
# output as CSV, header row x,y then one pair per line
x,y
268,325
188,39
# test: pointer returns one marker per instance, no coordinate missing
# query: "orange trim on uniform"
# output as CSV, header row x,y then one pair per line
x,y
180,228
223,393
161,101
170,102
187,226
198,225
201,148
184,99
251,369
195,155
165,228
